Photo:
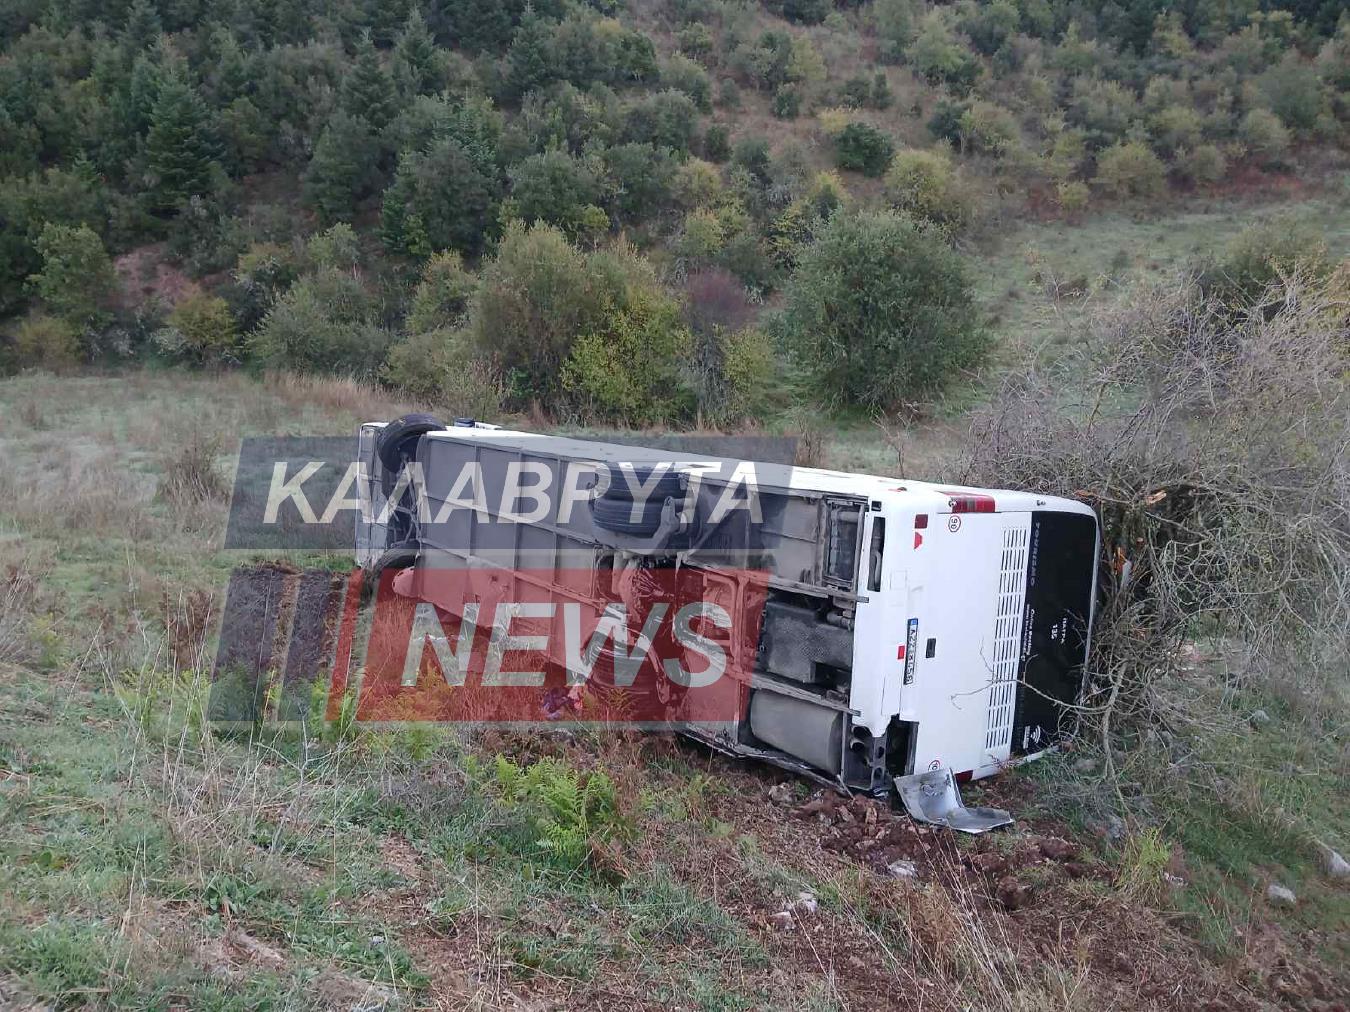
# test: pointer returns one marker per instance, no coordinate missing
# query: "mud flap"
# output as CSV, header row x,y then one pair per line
x,y
933,798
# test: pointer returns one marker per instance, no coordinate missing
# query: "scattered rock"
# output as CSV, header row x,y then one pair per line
x,y
1055,849
1332,862
1112,828
782,920
1280,896
781,794
1174,882
1259,718
902,869
806,903
1011,893
1085,765
989,863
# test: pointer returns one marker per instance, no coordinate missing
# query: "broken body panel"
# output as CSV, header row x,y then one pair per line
x,y
903,627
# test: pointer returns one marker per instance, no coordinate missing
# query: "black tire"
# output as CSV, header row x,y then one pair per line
x,y
669,485
617,515
396,441
399,557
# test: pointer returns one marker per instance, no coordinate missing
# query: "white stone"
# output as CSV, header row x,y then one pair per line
x,y
1280,896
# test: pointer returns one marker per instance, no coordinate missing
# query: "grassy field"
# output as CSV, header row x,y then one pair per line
x,y
147,862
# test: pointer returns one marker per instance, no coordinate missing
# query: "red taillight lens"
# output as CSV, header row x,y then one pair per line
x,y
968,502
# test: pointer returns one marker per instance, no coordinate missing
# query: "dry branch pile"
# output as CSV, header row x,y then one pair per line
x,y
1212,439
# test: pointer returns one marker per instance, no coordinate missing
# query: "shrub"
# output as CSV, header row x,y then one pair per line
x,y
76,280
438,366
787,103
697,184
864,149
925,184
1205,163
732,374
1176,127
627,371
207,329
880,311
1131,170
1293,92
1265,136
47,342
440,199
640,176
557,189
1262,255
989,129
715,299
1073,196
684,75
703,236
441,298
894,21
938,55
667,119
574,331
716,143
323,323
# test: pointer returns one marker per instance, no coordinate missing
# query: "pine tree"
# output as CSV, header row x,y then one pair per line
x,y
143,26
181,146
368,92
439,200
530,61
416,66
342,169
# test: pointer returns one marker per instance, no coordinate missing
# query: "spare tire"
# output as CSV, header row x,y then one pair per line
x,y
617,515
671,483
396,442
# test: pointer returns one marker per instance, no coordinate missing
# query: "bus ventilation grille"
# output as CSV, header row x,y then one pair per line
x,y
1012,590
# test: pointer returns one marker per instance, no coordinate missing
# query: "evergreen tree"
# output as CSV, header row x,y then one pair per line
x,y
342,169
143,26
181,147
229,76
530,62
417,69
439,200
368,92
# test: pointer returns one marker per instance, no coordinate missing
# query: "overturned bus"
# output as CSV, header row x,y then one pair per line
x,y
871,628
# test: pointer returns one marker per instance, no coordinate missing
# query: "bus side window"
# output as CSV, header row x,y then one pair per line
x,y
874,553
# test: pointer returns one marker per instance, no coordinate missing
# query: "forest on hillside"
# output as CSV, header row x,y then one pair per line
x,y
660,212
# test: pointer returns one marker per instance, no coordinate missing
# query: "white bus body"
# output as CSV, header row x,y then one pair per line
x,y
909,626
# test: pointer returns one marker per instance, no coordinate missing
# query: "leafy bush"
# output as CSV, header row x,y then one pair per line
x,y
732,374
1259,259
76,280
557,189
1265,136
880,311
989,129
684,75
937,55
324,323
640,177
1205,163
864,149
716,143
441,298
439,366
697,184
207,328
47,342
667,119
628,372
1131,170
440,199
925,184
585,332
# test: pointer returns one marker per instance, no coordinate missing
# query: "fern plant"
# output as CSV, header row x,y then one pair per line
x,y
569,812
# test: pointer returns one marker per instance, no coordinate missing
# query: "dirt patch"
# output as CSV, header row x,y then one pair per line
x,y
145,276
